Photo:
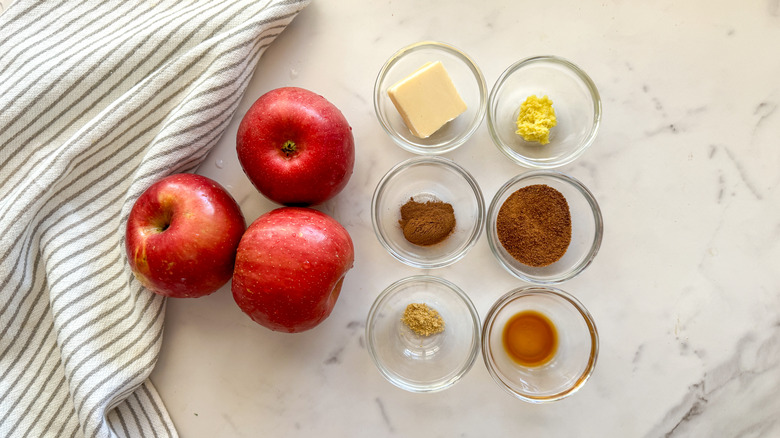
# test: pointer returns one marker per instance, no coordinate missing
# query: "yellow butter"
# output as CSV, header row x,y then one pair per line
x,y
536,118
427,99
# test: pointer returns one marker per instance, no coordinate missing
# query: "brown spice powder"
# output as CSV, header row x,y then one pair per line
x,y
426,223
422,319
534,225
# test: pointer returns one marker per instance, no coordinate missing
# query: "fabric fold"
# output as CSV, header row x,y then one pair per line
x,y
99,99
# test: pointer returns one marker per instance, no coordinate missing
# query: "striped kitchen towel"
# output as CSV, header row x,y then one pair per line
x,y
98,100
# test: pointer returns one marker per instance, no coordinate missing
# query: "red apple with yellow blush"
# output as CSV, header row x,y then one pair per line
x,y
296,147
290,267
182,235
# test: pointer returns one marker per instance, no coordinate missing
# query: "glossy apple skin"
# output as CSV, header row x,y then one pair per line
x,y
290,266
182,235
320,156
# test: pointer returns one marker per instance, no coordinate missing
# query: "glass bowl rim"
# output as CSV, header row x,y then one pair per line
x,y
436,160
584,191
473,126
576,153
519,292
476,332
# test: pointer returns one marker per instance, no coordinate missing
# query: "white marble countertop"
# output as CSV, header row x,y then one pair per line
x,y
685,290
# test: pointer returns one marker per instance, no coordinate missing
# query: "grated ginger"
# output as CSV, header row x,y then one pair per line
x,y
536,118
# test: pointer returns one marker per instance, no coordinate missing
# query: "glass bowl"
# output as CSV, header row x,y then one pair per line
x,y
586,228
574,358
428,179
423,363
466,77
575,100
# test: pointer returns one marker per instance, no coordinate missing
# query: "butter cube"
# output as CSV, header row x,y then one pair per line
x,y
427,99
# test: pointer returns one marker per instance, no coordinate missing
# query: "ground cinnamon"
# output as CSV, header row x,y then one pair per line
x,y
534,225
426,223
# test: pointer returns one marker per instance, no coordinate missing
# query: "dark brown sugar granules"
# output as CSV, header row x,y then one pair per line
x,y
426,223
534,225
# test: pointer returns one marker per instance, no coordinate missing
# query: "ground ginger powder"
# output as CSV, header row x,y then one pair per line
x,y
422,319
536,118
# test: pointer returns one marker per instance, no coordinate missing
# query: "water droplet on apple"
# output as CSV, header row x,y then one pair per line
x,y
220,164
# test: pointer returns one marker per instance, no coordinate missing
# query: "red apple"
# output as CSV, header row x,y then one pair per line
x,y
296,147
290,265
182,236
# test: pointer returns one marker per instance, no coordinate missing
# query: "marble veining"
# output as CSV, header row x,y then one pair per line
x,y
708,409
685,290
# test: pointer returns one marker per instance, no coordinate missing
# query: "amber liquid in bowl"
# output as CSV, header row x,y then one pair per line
x,y
530,338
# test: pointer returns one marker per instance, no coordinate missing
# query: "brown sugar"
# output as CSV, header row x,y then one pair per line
x,y
534,225
426,223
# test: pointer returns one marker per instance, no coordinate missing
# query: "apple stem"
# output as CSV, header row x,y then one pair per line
x,y
289,148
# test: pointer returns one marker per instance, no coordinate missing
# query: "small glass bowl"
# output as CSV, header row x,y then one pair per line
x,y
466,77
574,359
428,179
586,228
423,363
575,100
